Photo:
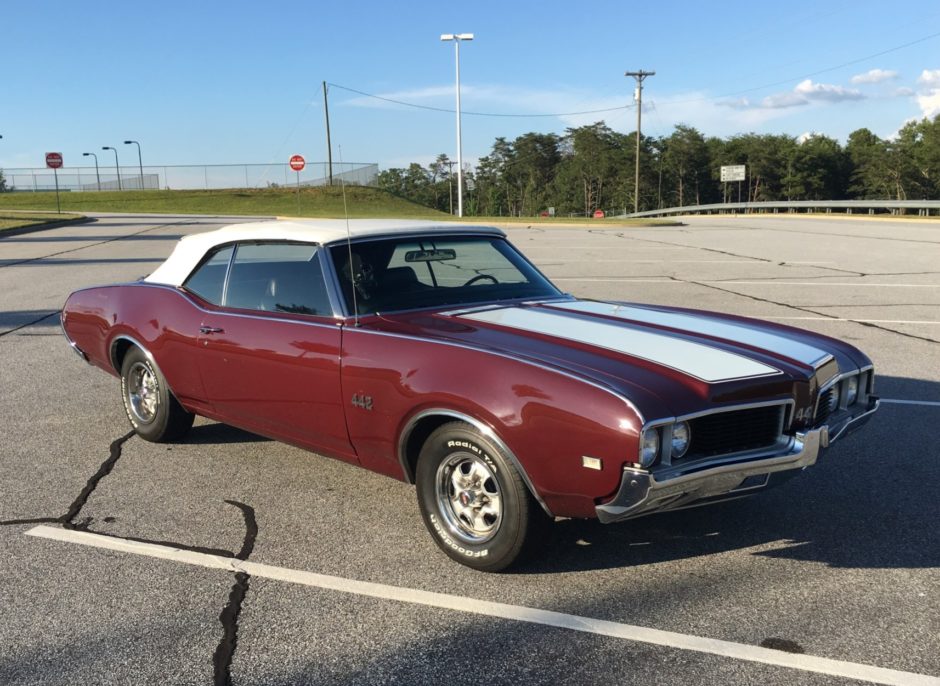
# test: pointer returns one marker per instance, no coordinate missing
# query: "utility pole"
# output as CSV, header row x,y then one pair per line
x,y
329,148
450,184
638,96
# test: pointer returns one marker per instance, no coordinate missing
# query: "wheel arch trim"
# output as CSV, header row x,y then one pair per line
x,y
480,426
112,350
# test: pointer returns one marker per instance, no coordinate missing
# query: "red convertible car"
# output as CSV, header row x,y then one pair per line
x,y
438,355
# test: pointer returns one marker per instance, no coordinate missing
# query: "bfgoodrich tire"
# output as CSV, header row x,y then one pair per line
x,y
150,406
473,500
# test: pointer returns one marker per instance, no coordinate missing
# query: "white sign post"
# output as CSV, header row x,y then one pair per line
x,y
733,172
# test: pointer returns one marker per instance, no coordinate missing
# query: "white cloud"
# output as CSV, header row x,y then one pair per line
x,y
780,101
929,103
738,104
929,78
928,97
875,76
806,92
826,91
903,91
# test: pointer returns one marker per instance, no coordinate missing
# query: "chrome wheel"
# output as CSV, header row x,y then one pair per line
x,y
468,497
143,392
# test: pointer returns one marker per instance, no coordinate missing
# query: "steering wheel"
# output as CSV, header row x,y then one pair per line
x,y
479,277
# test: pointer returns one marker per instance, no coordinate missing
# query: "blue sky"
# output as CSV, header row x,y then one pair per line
x,y
213,82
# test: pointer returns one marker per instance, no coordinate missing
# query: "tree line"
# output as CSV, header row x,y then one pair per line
x,y
592,167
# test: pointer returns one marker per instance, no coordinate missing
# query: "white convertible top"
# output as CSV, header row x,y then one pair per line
x,y
191,249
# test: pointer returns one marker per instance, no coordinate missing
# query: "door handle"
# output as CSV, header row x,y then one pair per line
x,y
211,329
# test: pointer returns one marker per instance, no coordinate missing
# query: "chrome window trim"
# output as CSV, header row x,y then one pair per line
x,y
443,231
482,427
326,269
246,314
333,289
496,233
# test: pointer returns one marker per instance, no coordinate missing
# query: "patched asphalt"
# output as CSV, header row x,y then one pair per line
x,y
841,562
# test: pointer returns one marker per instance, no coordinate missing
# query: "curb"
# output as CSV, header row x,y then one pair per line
x,y
47,225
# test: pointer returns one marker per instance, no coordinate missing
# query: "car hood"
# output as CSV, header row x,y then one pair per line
x,y
667,361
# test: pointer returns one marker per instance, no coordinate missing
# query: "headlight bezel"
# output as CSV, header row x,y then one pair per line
x,y
851,390
650,445
680,429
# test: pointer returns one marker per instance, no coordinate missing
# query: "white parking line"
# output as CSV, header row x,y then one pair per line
x,y
827,284
848,319
816,284
739,651
928,403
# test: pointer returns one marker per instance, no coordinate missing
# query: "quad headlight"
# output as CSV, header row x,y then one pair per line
x,y
851,390
649,447
681,437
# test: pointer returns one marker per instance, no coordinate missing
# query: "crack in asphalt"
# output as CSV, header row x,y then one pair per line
x,y
32,323
727,253
92,245
225,651
67,519
807,310
853,235
873,305
114,455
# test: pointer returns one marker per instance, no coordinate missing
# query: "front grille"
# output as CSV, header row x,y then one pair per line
x,y
824,408
736,431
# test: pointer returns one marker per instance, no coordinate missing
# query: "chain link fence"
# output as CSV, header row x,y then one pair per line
x,y
189,177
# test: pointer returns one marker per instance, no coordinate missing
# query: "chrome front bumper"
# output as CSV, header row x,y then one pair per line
x,y
641,493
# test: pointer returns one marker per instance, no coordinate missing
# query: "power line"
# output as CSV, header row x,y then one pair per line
x,y
477,114
811,74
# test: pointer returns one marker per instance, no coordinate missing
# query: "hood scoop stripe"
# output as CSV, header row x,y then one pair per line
x,y
741,333
701,361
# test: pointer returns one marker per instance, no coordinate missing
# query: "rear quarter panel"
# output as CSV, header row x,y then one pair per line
x,y
160,318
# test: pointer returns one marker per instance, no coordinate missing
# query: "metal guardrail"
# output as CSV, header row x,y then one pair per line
x,y
899,207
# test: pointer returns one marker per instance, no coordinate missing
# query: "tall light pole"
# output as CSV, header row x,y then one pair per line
x,y
456,38
139,162
97,175
639,76
117,164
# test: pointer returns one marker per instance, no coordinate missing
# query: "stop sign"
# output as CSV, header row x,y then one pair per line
x,y
54,160
297,162
598,214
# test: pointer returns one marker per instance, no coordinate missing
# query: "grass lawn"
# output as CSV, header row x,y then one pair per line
x,y
16,220
314,202
363,202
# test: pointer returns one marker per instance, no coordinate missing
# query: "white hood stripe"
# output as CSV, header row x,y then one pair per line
x,y
742,333
704,362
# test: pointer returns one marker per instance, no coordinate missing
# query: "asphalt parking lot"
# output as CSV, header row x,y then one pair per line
x,y
839,569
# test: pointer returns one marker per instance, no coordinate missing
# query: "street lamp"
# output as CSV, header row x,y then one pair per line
x,y
117,165
456,38
97,175
139,162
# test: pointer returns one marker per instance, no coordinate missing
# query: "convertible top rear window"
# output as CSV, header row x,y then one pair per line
x,y
403,274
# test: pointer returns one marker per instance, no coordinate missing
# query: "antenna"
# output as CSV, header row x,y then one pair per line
x,y
352,275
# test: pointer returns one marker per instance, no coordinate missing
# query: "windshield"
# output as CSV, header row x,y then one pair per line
x,y
405,274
